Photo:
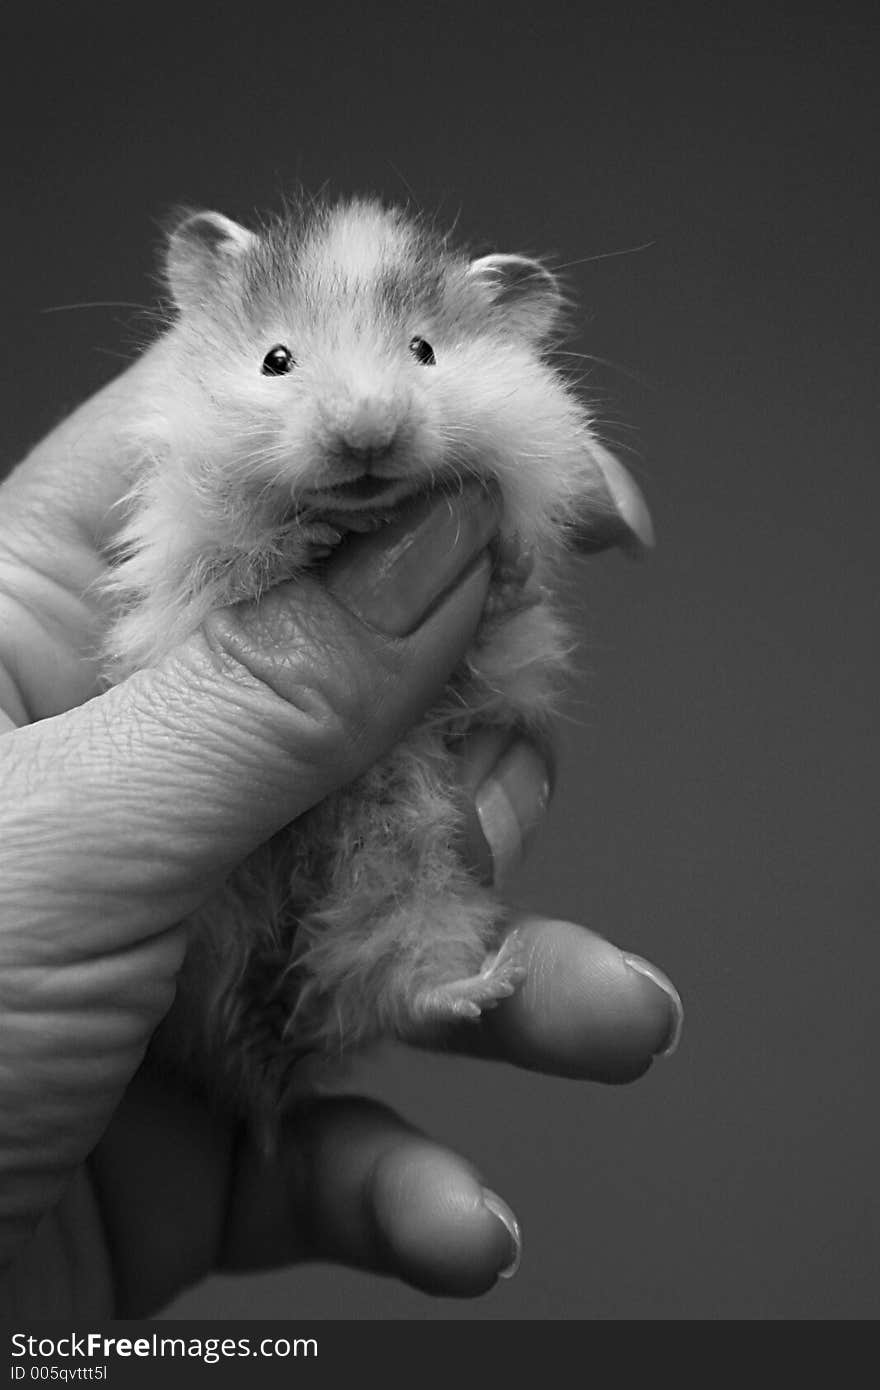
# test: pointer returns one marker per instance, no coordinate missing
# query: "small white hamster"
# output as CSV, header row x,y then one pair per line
x,y
317,373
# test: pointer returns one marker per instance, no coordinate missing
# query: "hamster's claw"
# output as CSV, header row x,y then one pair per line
x,y
500,976
319,540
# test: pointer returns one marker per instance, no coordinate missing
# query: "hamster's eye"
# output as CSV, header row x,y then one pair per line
x,y
277,361
422,352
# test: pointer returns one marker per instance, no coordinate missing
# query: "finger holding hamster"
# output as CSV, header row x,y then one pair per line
x,y
618,514
506,777
349,1182
355,1184
586,1009
70,485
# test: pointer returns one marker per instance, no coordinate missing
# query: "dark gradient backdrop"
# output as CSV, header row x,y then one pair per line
x,y
716,808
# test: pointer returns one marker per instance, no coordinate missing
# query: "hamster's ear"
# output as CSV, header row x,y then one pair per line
x,y
525,289
203,247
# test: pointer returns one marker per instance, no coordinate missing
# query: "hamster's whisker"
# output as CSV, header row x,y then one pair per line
x,y
147,309
608,255
612,366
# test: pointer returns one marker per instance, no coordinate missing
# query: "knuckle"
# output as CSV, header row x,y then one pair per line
x,y
312,687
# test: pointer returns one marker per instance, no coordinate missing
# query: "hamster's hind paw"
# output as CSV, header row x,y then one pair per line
x,y
499,977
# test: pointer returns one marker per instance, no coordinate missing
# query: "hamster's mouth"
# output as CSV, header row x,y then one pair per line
x,y
364,496
363,489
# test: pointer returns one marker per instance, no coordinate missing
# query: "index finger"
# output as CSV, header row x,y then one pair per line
x,y
71,482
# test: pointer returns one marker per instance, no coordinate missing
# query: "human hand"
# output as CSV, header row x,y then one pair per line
x,y
122,811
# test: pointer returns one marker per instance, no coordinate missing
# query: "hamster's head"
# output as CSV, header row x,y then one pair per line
x,y
346,357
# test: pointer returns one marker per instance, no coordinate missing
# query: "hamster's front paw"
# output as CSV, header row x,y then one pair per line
x,y
500,975
318,540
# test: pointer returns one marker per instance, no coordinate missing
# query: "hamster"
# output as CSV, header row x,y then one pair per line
x,y
318,373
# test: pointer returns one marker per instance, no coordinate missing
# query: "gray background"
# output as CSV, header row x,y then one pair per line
x,y
718,774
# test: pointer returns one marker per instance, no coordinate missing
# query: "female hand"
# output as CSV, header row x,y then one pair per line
x,y
122,810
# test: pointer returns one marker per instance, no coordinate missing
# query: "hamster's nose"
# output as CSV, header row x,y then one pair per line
x,y
369,426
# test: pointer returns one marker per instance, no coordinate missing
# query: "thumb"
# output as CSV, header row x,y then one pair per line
x,y
121,815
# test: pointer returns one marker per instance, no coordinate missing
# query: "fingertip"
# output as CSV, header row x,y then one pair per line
x,y
510,805
586,1010
507,782
499,1208
624,520
441,1230
661,1000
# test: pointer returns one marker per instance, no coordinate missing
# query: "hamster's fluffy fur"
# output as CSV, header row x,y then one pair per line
x,y
360,919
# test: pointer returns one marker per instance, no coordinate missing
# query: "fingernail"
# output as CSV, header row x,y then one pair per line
x,y
500,1209
391,578
510,804
676,1010
624,520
